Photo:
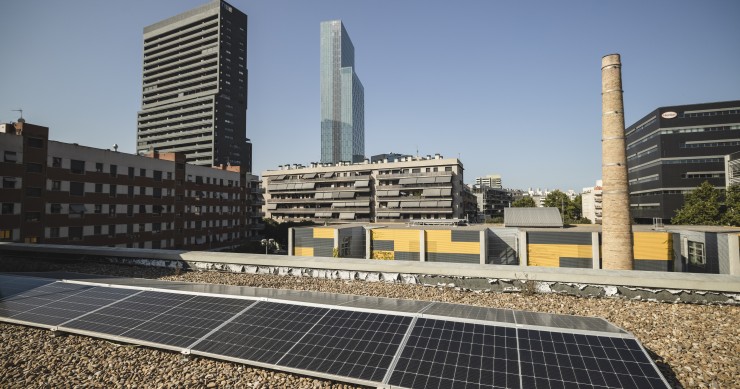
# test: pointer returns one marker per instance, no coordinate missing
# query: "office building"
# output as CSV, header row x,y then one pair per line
x,y
411,189
491,202
672,150
732,169
194,92
342,98
63,193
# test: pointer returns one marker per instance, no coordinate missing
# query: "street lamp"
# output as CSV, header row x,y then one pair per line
x,y
267,243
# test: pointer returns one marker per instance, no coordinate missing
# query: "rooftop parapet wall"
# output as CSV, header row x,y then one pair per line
x,y
653,286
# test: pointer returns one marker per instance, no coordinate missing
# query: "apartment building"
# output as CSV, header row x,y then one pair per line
x,y
428,187
62,193
591,202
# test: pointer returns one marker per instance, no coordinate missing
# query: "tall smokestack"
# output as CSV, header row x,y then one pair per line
x,y
616,226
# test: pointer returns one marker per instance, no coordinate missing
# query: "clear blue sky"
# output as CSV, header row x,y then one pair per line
x,y
511,87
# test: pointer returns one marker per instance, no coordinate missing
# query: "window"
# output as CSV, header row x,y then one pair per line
x,y
77,209
169,175
98,208
696,254
36,143
98,230
448,168
99,167
130,210
113,170
157,193
77,167
156,227
33,192
157,209
33,216
142,209
8,208
31,239
56,162
142,227
130,191
142,190
54,232
33,167
131,172
157,175
113,190
142,172
56,185
76,188
6,234
75,233
11,156
111,230
98,188
8,182
111,210
56,208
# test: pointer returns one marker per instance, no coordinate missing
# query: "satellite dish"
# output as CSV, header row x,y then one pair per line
x,y
115,147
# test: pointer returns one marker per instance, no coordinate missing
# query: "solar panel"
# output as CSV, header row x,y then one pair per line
x,y
447,354
12,285
367,340
553,359
264,335
351,344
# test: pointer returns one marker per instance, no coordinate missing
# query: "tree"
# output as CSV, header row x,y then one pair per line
x,y
560,200
524,202
732,206
701,207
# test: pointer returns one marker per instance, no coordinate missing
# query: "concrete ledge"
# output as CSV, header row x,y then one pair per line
x,y
195,259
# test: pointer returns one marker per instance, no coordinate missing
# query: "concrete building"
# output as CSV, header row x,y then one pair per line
x,y
62,193
591,203
414,188
492,181
194,92
672,150
491,202
342,98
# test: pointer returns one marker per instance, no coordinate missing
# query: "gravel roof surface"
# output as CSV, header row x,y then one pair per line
x,y
693,345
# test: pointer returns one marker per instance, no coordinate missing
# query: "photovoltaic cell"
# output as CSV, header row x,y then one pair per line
x,y
349,343
39,305
564,360
446,354
471,312
12,285
129,314
566,321
264,333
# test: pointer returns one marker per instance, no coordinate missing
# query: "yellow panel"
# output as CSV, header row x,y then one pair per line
x,y
440,241
327,233
549,254
403,240
653,245
383,255
303,251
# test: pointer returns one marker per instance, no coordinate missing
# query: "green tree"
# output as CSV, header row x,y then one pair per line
x,y
732,206
560,200
700,207
524,202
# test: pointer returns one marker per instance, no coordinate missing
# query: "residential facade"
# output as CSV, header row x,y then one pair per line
x,y
493,181
413,188
491,201
591,203
62,193
342,98
672,150
194,92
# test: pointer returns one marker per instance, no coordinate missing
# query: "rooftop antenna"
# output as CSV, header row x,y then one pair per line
x,y
21,111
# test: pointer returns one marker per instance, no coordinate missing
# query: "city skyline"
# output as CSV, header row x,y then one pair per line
x,y
504,87
342,97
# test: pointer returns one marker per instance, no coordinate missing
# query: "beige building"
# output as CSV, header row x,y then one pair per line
x,y
413,188
591,203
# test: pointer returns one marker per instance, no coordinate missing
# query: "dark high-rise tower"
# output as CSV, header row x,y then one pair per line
x,y
194,92
342,98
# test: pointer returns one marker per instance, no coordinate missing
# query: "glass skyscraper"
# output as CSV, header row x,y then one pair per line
x,y
342,98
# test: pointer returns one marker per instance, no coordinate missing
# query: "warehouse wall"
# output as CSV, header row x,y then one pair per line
x,y
313,241
653,251
452,246
560,249
394,244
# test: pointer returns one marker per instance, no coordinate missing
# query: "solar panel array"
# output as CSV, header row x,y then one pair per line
x,y
365,340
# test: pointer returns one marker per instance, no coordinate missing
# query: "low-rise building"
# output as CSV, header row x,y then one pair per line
x,y
61,193
413,188
591,203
